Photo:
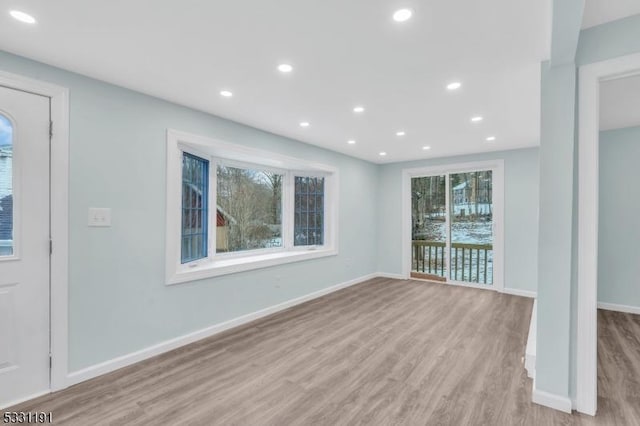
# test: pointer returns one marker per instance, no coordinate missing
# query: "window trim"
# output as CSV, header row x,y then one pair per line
x,y
233,155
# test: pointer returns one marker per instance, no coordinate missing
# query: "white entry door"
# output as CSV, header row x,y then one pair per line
x,y
24,245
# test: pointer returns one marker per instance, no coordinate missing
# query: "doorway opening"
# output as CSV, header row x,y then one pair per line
x,y
34,246
590,79
24,232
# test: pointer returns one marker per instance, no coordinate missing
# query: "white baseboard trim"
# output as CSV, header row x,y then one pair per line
x,y
21,400
518,292
388,275
557,402
530,351
168,345
619,308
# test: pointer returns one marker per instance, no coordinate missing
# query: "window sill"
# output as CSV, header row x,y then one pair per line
x,y
240,264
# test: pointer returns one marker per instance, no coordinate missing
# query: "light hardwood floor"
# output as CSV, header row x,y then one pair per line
x,y
384,352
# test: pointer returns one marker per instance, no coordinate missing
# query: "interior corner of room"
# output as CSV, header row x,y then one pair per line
x,y
356,232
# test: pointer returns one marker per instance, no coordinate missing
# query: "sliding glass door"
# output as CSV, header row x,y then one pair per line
x,y
429,227
471,218
452,227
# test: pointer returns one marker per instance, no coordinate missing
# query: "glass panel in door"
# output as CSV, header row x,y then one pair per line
x,y
428,227
471,247
6,186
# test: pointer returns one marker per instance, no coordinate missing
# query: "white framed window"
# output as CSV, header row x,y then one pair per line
x,y
231,208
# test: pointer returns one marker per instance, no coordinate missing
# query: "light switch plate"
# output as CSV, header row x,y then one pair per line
x,y
100,217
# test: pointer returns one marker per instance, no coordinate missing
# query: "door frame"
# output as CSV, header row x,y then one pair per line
x,y
58,217
590,77
497,166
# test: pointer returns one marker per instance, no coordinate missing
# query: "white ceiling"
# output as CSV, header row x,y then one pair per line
x,y
620,103
597,12
344,53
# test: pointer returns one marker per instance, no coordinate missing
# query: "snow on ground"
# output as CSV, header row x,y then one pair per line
x,y
468,232
461,232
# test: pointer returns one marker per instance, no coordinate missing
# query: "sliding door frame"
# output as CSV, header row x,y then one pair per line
x,y
497,168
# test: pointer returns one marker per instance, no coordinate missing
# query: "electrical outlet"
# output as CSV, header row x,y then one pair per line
x,y
99,217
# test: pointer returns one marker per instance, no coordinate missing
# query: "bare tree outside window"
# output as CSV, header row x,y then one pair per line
x,y
252,202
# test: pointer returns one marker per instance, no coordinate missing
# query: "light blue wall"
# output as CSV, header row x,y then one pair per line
x,y
602,42
118,300
553,365
619,229
521,213
565,30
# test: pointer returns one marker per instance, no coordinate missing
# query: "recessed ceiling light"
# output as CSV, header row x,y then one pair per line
x,y
426,148
402,15
454,85
285,68
382,154
400,133
491,138
476,119
226,93
304,124
22,17
358,109
351,142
